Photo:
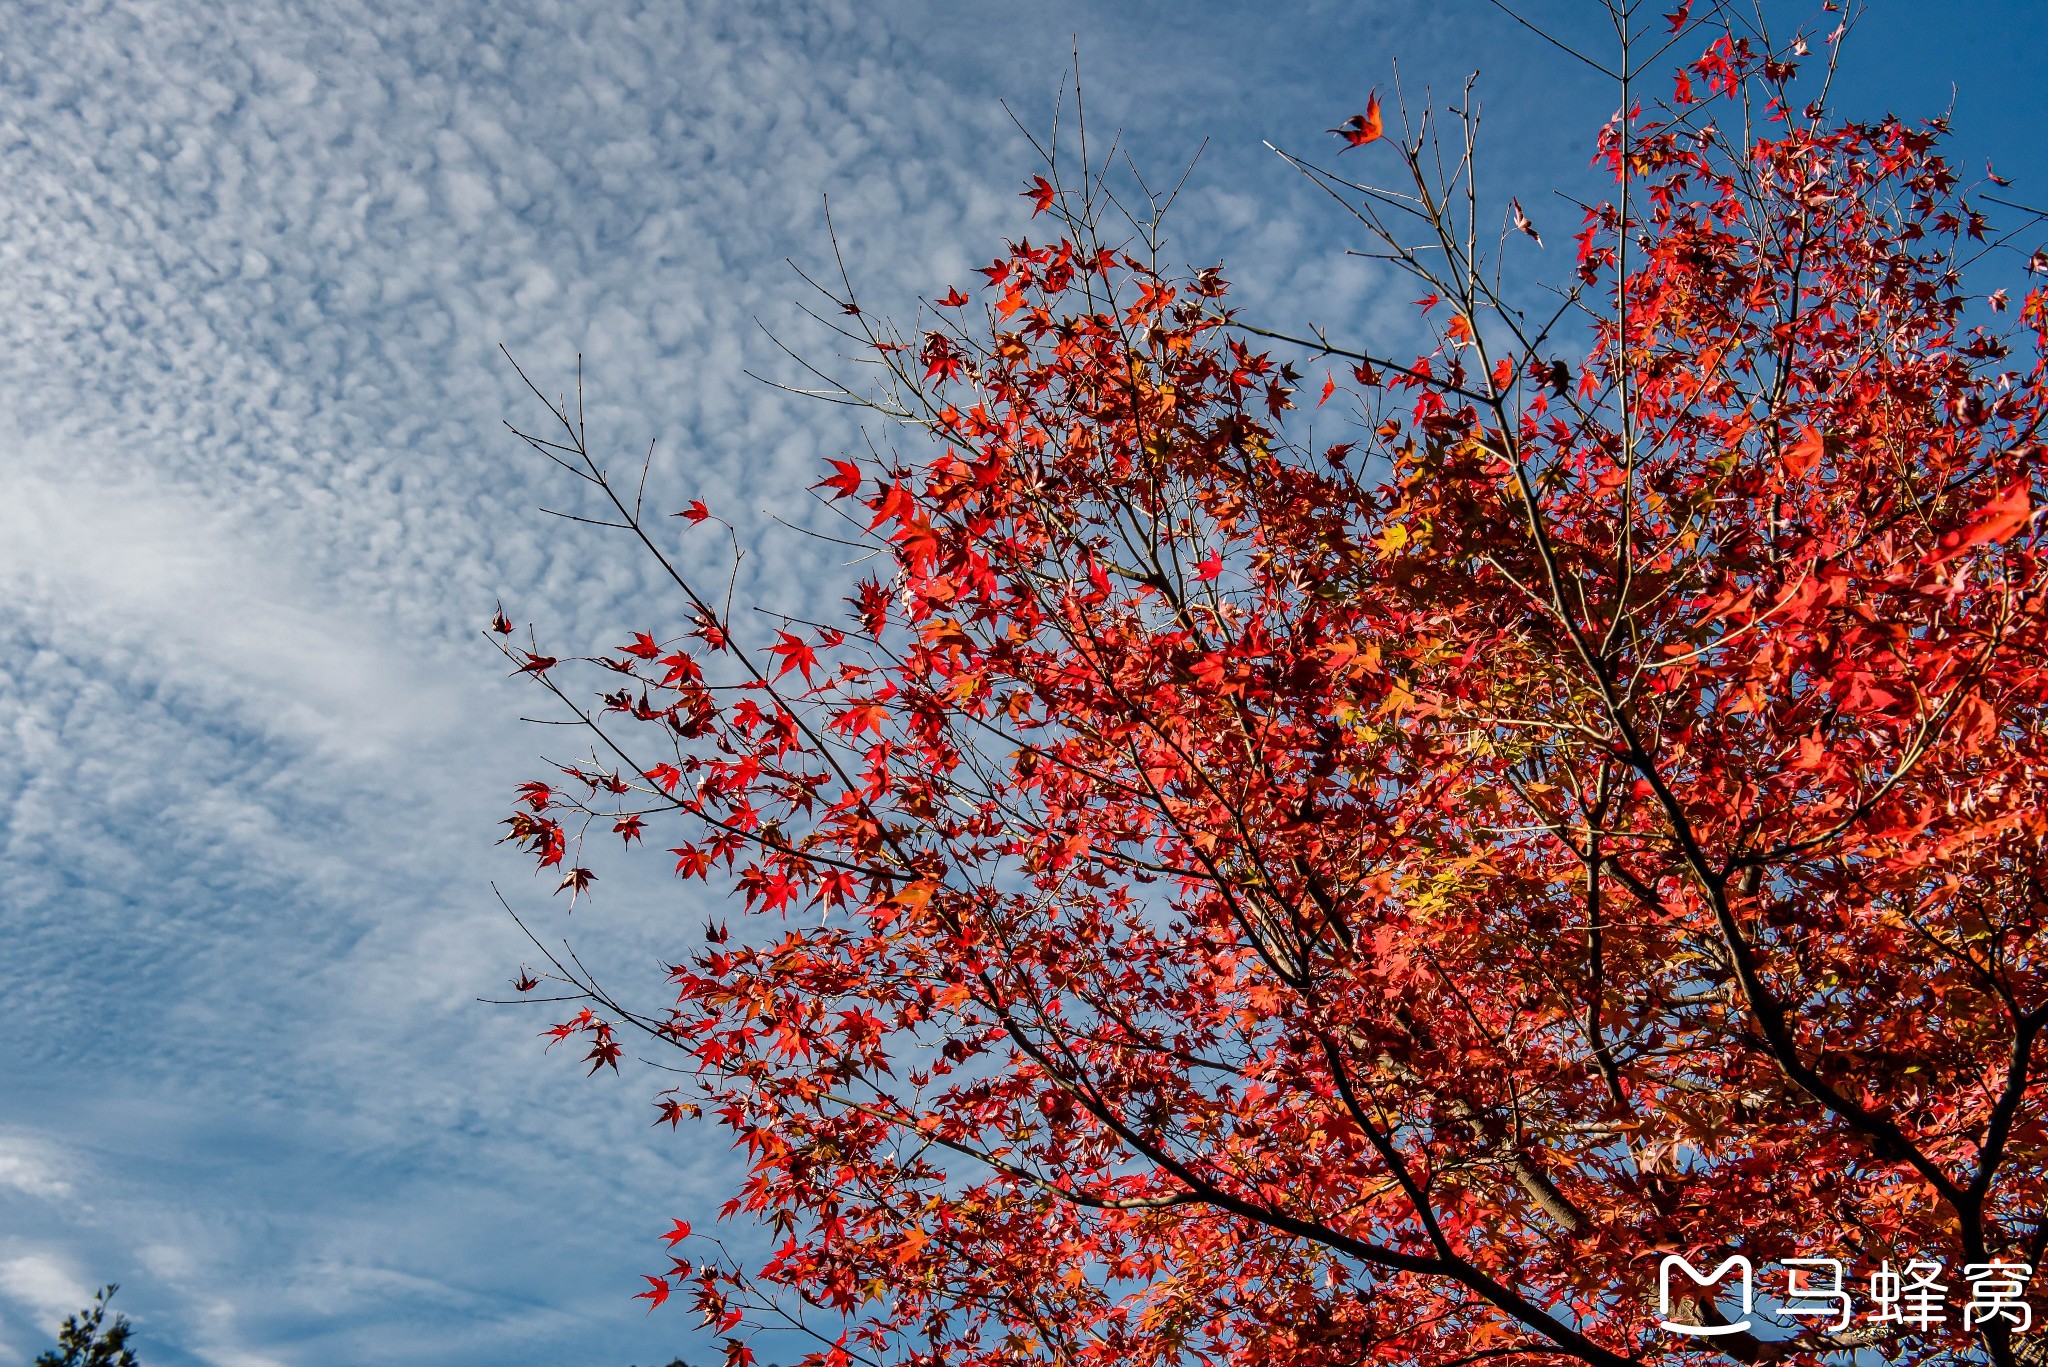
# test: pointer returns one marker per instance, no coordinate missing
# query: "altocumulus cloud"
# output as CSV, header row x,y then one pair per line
x,y
257,259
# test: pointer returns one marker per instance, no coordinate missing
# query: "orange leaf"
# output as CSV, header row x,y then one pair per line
x,y
914,1240
916,895
1360,129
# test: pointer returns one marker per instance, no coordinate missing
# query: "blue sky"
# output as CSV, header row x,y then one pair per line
x,y
255,502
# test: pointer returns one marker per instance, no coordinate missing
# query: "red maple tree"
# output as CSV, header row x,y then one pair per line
x,y
1217,898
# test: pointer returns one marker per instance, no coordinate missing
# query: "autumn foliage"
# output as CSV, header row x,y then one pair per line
x,y
1222,898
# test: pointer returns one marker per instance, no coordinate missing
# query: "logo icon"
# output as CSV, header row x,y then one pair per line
x,y
1702,1279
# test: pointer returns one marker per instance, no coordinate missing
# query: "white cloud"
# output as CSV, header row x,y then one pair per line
x,y
156,571
256,504
41,1283
28,1167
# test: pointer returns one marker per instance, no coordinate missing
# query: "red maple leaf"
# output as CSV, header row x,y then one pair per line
x,y
845,479
1360,129
1997,520
795,653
